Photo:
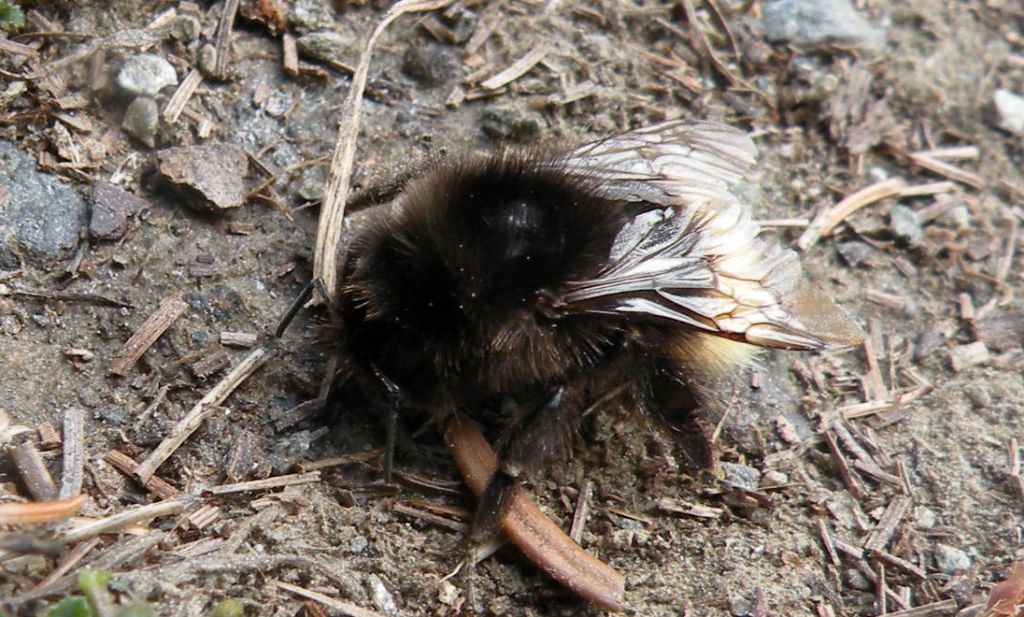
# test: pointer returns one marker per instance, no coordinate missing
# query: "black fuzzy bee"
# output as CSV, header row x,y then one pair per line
x,y
536,283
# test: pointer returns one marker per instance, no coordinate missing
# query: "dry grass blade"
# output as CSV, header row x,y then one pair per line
x,y
147,334
332,211
540,539
40,511
830,218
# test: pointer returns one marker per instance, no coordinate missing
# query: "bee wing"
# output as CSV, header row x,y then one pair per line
x,y
668,164
697,259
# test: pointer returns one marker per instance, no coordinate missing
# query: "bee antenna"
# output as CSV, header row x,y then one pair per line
x,y
303,297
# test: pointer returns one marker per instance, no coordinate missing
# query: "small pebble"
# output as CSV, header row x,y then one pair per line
x,y
741,476
1010,107
951,560
141,120
819,22
905,227
380,596
146,75
773,477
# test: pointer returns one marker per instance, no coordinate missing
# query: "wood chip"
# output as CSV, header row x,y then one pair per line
x,y
166,314
935,609
579,516
176,104
224,29
17,49
540,539
943,168
414,510
238,339
37,512
886,527
826,541
849,478
156,485
290,54
344,607
677,506
194,418
124,519
902,564
33,471
518,68
49,438
74,452
265,484
830,218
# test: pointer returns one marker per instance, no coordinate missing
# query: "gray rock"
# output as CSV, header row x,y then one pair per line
x,y
1010,107
741,476
854,252
430,66
380,596
905,226
813,23
146,75
40,216
141,120
951,560
210,176
309,15
111,207
507,124
328,46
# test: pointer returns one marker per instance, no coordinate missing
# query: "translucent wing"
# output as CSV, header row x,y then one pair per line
x,y
669,164
695,257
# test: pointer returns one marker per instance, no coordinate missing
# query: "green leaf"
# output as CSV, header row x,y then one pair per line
x,y
137,608
90,580
11,16
228,608
70,606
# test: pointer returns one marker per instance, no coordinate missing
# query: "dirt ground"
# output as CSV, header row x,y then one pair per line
x,y
911,450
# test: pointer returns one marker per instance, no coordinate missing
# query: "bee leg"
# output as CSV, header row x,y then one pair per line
x,y
528,446
395,400
663,393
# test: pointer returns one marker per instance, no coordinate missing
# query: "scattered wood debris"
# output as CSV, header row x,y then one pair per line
x,y
194,418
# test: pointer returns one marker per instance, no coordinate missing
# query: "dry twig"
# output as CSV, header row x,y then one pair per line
x,y
40,511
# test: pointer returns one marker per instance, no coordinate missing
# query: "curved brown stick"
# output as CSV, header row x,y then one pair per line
x,y
540,539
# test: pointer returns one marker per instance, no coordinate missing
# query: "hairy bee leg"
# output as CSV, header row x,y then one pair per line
x,y
534,441
662,393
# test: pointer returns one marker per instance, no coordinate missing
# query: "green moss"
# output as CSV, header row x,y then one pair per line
x,y
11,16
